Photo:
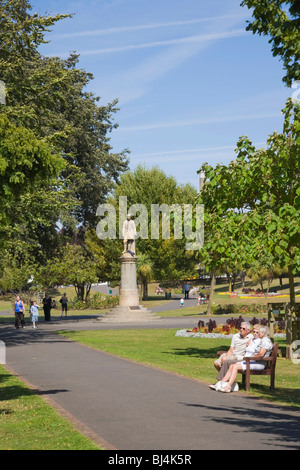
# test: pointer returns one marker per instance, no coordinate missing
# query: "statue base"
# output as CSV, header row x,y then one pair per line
x,y
129,309
133,314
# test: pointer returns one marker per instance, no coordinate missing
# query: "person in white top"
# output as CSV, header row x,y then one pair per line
x,y
235,353
237,348
261,346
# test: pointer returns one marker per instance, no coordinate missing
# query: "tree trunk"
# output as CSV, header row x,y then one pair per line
x,y
80,291
88,290
145,289
230,283
211,293
292,285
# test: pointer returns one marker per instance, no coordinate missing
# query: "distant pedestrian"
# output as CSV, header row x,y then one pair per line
x,y
64,305
181,302
19,311
34,312
186,290
47,302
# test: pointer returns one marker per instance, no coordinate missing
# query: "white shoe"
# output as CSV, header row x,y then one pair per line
x,y
225,388
235,388
212,387
218,386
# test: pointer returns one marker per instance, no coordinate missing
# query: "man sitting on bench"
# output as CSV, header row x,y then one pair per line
x,y
265,348
234,354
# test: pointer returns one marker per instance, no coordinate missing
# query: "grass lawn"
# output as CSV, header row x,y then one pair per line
x,y
189,357
27,422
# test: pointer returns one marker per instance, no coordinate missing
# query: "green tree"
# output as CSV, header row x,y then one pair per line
x,y
256,199
264,270
144,273
279,19
74,265
169,258
25,160
48,95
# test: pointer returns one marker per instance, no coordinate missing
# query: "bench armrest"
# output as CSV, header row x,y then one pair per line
x,y
248,359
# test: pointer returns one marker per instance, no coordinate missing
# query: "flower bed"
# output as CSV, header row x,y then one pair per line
x,y
212,330
253,295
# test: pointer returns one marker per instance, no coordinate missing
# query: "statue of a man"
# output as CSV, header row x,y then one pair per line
x,y
129,235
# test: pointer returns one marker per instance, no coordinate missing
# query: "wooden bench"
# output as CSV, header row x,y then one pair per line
x,y
269,369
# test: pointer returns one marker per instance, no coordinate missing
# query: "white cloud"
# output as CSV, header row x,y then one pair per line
x,y
205,38
209,120
125,29
191,151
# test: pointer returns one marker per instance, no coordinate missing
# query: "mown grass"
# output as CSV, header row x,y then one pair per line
x,y
189,357
27,422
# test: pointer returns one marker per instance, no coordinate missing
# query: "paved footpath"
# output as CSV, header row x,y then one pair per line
x,y
128,406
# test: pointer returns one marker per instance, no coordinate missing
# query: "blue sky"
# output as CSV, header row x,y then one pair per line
x,y
190,80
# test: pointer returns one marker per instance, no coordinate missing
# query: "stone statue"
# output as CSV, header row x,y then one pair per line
x,y
129,235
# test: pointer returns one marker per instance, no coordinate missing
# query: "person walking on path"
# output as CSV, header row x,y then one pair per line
x,y
19,311
64,305
47,307
186,290
34,311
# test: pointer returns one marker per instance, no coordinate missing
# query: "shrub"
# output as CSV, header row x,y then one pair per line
x,y
281,325
235,322
232,326
242,309
96,302
211,325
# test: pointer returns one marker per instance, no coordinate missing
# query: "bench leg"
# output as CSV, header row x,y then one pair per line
x,y
247,382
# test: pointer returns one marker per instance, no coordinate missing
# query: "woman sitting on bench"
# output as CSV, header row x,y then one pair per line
x,y
265,348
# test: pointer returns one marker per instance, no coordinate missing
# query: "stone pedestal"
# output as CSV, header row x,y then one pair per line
x,y
129,309
129,294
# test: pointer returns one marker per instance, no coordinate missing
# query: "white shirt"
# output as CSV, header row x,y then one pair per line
x,y
238,345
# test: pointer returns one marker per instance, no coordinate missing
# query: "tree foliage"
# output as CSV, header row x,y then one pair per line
x,y
168,257
254,202
48,96
73,265
56,162
279,19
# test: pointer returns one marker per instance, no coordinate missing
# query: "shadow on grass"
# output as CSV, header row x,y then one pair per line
x,y
206,353
289,396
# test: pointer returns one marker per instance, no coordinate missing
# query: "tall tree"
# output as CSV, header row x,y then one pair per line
x,y
261,187
48,96
74,265
167,255
169,258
